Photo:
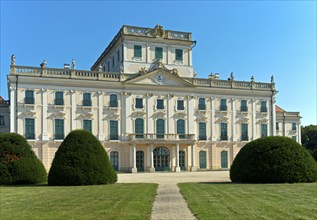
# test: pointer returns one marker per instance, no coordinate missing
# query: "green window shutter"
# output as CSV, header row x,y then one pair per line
x,y
137,51
178,54
59,98
29,97
263,106
181,128
139,128
87,99
158,53
202,104
223,132
244,132
293,126
59,129
87,125
29,128
224,159
263,130
202,131
160,128
223,105
113,100
244,107
160,104
114,130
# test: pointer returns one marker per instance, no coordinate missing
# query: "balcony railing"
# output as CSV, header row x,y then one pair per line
x,y
160,137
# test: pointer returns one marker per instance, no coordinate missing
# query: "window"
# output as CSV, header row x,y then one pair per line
x,y
181,128
87,99
108,66
1,120
158,53
160,128
224,159
202,104
29,97
112,61
138,103
202,131
223,132
87,125
294,138
244,132
139,128
263,106
293,126
59,129
137,51
59,98
223,105
179,55
114,130
263,130
244,107
180,105
114,158
159,104
118,56
113,100
29,128
277,126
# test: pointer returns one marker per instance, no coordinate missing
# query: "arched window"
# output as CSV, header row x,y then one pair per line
x,y
160,128
139,128
181,128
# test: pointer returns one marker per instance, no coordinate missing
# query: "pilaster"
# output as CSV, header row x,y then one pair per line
x,y
177,169
193,168
234,127
212,119
13,107
253,120
100,131
73,109
273,120
44,115
133,152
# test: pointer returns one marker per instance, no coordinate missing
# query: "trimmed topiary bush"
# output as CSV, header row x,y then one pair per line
x,y
273,160
18,163
315,154
81,160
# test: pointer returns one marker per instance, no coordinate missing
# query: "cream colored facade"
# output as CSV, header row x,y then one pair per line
x,y
152,91
4,115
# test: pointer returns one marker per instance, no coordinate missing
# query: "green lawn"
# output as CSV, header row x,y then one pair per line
x,y
251,201
116,201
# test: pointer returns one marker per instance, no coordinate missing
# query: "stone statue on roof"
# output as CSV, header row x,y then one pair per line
x,y
12,60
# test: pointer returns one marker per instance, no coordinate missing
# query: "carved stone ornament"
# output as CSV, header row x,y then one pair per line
x,y
159,65
143,71
159,31
12,60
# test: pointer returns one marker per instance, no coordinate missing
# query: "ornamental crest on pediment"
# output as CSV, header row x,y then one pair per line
x,y
159,32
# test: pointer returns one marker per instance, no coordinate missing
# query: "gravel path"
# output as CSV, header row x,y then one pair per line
x,y
169,203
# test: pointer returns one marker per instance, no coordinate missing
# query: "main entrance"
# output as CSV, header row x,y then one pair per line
x,y
182,160
140,160
161,157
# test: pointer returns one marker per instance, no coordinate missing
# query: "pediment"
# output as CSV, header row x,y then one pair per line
x,y
160,77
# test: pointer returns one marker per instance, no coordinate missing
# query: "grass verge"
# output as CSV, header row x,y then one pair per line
x,y
251,201
116,201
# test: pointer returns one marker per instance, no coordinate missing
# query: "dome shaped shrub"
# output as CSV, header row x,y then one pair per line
x,y
273,160
81,160
18,163
315,154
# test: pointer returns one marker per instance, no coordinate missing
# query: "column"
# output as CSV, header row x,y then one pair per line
x,y
133,152
13,109
299,134
73,109
253,120
44,115
212,119
273,117
234,127
167,55
100,120
150,149
147,53
177,159
193,168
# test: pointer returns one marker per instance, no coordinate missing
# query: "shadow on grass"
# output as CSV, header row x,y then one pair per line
x,y
27,185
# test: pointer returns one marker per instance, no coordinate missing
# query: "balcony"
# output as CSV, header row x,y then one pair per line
x,y
161,138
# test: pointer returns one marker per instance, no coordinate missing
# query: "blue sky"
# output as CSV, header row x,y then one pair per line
x,y
245,37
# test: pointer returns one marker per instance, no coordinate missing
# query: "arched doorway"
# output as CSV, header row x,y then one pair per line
x,y
202,160
114,158
182,160
140,161
161,156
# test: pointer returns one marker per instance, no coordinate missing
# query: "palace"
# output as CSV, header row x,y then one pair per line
x,y
144,103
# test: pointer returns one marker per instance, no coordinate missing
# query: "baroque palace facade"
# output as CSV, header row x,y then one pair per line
x,y
142,100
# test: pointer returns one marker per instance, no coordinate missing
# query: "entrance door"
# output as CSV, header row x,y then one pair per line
x,y
140,161
161,156
114,158
202,160
182,160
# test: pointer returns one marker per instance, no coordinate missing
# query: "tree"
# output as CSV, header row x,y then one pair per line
x,y
309,137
